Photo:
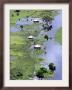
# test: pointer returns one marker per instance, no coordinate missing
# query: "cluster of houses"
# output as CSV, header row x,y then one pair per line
x,y
28,21
45,26
36,46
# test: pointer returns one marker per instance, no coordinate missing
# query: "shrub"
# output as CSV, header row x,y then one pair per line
x,y
40,73
52,67
16,73
44,70
17,12
46,37
21,26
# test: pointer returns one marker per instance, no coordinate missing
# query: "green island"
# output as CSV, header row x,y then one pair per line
x,y
58,36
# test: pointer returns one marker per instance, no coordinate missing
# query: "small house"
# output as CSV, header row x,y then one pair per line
x,y
37,46
36,21
31,37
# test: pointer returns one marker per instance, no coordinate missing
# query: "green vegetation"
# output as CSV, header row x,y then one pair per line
x,y
44,73
14,16
40,39
24,60
39,60
46,37
39,51
52,67
48,74
58,36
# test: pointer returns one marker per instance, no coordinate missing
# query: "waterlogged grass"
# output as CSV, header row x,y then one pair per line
x,y
38,52
43,72
58,36
39,60
40,39
33,13
16,39
22,62
48,74
32,26
24,65
25,61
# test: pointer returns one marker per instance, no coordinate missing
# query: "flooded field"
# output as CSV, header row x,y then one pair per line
x,y
27,59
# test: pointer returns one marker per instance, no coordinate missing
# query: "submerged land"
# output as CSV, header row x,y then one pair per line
x,y
25,61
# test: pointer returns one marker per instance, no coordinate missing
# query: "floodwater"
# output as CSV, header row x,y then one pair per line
x,y
53,48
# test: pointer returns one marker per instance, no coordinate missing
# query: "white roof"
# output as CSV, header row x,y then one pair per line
x,y
31,36
35,20
37,45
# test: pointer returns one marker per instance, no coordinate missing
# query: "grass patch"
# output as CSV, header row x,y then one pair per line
x,y
31,13
48,74
38,52
58,36
22,64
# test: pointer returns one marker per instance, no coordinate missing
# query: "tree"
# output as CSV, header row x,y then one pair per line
x,y
46,37
40,73
12,15
19,19
52,67
17,12
50,27
21,26
27,17
46,15
43,69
